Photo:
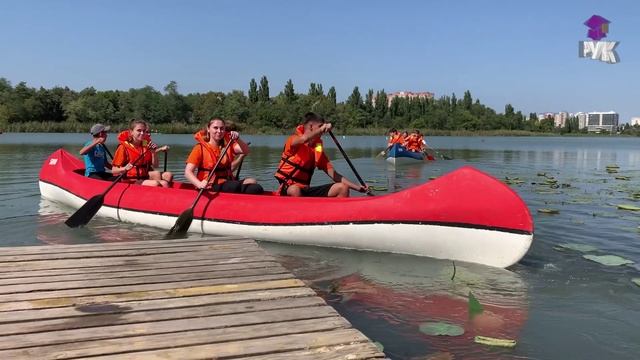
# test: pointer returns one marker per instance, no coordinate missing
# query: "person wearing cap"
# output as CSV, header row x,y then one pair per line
x,y
95,155
303,153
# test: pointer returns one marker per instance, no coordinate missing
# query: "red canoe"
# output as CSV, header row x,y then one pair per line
x,y
464,215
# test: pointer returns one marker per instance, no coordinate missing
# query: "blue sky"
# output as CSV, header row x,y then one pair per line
x,y
523,53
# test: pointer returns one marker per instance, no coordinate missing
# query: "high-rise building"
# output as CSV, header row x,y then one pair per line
x,y
598,121
410,95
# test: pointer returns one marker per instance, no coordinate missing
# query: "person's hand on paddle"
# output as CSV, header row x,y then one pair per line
x,y
202,184
163,148
152,146
364,189
234,135
326,127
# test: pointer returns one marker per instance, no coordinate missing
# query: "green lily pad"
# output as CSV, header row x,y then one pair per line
x,y
620,177
636,281
628,207
549,211
432,177
379,345
542,174
494,341
441,328
613,166
378,188
608,260
578,247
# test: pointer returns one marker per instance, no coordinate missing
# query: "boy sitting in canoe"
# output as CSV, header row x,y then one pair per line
x,y
303,153
95,156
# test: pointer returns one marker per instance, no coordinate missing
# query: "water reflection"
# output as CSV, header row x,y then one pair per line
x,y
391,295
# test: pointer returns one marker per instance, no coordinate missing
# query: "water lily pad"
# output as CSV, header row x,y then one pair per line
x,y
542,174
620,177
636,281
549,211
432,177
608,260
441,328
494,341
628,207
378,188
378,345
578,247
613,166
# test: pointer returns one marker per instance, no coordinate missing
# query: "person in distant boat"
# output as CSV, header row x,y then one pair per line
x,y
405,138
137,155
394,138
303,153
414,141
205,154
95,155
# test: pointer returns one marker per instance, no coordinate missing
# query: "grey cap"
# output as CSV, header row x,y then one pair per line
x,y
98,128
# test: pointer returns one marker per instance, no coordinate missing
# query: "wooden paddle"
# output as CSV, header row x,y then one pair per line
x,y
240,165
184,220
344,154
83,215
444,157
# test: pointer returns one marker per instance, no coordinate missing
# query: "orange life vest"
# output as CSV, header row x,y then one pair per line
x,y
396,139
210,156
414,143
142,166
297,169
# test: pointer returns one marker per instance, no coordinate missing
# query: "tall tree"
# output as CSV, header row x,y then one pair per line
x,y
355,99
263,90
467,100
382,104
289,92
253,91
331,94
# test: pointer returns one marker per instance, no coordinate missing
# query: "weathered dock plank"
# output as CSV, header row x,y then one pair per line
x,y
166,299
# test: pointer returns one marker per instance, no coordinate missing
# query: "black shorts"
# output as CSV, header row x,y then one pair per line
x,y
312,191
102,175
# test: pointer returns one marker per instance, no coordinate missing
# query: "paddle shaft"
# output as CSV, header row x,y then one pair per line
x,y
165,162
344,154
240,165
107,150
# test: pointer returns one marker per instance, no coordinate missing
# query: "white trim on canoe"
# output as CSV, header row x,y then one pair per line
x,y
483,246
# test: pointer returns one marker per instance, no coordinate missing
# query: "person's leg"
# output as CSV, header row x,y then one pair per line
x,y
317,191
155,175
229,186
293,190
251,187
338,190
167,176
150,182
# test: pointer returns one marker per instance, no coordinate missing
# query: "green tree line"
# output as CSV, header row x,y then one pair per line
x,y
63,109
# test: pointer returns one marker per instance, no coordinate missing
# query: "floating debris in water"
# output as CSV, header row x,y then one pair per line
x,y
578,247
549,211
441,328
494,341
608,260
628,207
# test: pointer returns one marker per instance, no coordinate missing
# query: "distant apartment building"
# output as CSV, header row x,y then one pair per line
x,y
582,119
409,95
546,115
560,119
599,121
634,121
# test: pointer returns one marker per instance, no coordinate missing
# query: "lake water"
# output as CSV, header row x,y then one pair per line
x,y
555,303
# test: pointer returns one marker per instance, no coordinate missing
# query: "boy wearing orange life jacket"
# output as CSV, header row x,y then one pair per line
x,y
205,154
137,156
303,153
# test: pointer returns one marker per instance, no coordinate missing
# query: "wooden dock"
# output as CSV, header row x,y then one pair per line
x,y
211,298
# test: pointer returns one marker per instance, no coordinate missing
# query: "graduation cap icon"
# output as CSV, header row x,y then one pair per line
x,y
598,27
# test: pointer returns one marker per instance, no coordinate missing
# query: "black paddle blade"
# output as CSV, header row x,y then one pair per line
x,y
83,215
182,224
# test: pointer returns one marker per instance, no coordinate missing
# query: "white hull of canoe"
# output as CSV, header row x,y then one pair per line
x,y
488,247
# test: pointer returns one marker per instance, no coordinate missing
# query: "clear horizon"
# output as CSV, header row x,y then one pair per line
x,y
524,54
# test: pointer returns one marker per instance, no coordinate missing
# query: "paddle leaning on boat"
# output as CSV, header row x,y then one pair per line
x,y
465,215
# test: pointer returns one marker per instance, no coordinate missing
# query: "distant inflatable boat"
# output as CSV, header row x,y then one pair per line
x,y
398,151
465,215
